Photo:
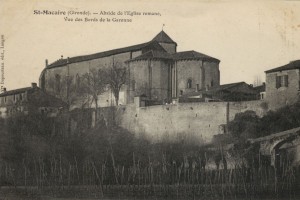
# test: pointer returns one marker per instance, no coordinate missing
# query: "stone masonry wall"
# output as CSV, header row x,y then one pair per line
x,y
196,122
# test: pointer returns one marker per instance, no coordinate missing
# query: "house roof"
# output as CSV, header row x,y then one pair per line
x,y
163,38
147,45
17,91
292,65
37,97
232,87
186,55
228,86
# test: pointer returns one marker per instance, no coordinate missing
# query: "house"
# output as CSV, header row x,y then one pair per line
x,y
239,91
29,100
283,85
154,69
261,91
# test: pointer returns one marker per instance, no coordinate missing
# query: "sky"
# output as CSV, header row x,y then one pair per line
x,y
248,37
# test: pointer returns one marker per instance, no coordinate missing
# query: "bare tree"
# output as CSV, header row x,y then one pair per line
x,y
64,89
257,81
94,84
116,77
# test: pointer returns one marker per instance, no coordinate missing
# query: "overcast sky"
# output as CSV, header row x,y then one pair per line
x,y
248,37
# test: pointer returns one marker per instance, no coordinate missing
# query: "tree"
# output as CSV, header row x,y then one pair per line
x,y
244,125
116,78
94,84
65,89
257,81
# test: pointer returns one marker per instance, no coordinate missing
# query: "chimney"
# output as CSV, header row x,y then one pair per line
x,y
197,87
46,63
33,85
68,60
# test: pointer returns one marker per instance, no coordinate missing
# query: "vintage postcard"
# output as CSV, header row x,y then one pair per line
x,y
149,99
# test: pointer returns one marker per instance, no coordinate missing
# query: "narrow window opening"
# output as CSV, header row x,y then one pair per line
x,y
189,83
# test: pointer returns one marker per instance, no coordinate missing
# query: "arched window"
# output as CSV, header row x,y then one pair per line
x,y
77,81
57,83
133,85
212,83
189,83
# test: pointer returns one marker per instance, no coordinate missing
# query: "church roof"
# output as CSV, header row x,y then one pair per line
x,y
150,49
144,46
186,55
292,65
163,37
152,55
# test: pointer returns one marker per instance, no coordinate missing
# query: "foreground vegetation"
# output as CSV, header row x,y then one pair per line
x,y
41,156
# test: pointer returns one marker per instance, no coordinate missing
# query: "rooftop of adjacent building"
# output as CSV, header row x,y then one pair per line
x,y
18,91
38,97
151,49
230,87
292,65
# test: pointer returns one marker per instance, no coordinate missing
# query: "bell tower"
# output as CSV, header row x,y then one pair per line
x,y
166,42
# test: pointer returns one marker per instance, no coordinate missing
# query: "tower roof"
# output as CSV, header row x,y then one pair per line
x,y
163,37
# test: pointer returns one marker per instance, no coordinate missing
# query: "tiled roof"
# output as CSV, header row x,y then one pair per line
x,y
232,87
292,65
17,91
38,97
186,55
147,45
163,37
228,86
152,55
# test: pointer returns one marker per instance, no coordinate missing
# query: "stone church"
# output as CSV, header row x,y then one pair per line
x,y
155,70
